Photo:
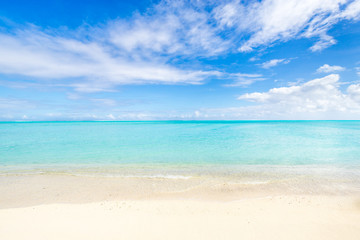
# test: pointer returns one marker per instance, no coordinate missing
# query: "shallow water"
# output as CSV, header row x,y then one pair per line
x,y
181,143
228,160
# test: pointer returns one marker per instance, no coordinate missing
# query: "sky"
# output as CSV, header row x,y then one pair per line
x,y
179,60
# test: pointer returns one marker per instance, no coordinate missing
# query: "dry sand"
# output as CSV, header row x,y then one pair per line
x,y
67,207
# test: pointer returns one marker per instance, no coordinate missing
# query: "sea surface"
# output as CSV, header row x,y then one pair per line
x,y
180,147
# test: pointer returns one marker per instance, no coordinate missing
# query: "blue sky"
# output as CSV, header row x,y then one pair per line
x,y
154,60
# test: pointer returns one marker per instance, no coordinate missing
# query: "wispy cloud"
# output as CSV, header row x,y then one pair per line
x,y
358,70
13,103
104,102
244,79
172,28
274,62
12,108
94,67
270,21
326,68
148,47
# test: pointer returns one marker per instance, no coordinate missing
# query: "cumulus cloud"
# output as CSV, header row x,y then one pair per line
x,y
326,68
318,95
274,62
354,92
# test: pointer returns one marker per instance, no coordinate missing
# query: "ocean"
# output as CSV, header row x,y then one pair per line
x,y
310,153
181,142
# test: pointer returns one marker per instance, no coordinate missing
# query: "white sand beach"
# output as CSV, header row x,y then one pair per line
x,y
67,207
279,217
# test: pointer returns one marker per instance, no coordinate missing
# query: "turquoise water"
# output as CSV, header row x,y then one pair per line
x,y
181,143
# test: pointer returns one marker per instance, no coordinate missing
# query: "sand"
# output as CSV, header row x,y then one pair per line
x,y
67,207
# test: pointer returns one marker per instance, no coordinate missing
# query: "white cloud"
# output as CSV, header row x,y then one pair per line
x,y
16,109
324,42
104,102
354,92
358,70
320,95
208,28
270,21
352,11
36,54
244,79
253,59
110,116
326,68
173,28
148,47
13,103
197,113
274,62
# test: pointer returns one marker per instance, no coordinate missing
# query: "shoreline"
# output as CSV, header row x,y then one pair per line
x,y
35,188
